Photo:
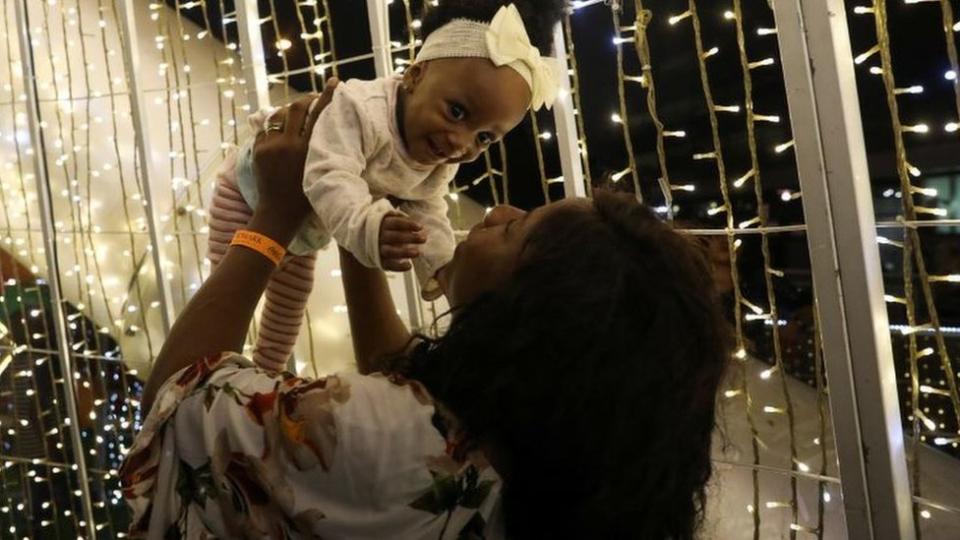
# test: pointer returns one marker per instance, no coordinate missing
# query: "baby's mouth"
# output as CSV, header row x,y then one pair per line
x,y
435,150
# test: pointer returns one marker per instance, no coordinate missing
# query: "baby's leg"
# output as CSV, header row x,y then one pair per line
x,y
287,294
228,212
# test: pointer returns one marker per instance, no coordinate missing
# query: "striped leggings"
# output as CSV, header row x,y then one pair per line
x,y
289,286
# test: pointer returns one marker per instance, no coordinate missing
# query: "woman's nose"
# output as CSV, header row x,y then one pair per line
x,y
500,214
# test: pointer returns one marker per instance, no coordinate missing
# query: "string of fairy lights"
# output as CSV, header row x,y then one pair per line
x,y
48,463
717,154
746,66
112,305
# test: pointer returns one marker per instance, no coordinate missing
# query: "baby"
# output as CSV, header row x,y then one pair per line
x,y
397,140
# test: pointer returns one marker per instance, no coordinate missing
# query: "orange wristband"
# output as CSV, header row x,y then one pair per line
x,y
261,244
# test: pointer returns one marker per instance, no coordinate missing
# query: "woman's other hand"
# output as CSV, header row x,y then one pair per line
x,y
279,155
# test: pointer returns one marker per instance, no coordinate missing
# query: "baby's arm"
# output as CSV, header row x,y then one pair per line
x,y
400,240
342,141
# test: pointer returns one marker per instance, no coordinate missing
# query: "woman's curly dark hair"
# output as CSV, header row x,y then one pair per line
x,y
539,16
593,373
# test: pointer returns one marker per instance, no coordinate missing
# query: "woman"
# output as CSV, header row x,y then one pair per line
x,y
572,397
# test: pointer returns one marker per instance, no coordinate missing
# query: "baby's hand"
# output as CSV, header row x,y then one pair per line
x,y
400,239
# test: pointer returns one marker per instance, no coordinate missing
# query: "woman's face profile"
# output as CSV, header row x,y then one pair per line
x,y
490,253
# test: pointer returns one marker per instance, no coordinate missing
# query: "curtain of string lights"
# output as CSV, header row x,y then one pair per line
x,y
680,102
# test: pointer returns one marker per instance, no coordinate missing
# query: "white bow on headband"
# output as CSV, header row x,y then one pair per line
x,y
505,42
508,44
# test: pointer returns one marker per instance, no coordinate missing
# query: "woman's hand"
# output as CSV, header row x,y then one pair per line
x,y
217,317
278,159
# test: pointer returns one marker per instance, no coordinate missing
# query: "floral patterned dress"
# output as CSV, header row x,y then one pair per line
x,y
231,451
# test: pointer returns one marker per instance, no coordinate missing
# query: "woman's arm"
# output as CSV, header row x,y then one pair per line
x,y
217,317
375,327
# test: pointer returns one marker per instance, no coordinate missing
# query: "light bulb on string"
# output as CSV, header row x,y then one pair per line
x,y
677,18
761,63
615,177
783,147
727,108
939,212
916,89
928,192
716,209
861,58
943,441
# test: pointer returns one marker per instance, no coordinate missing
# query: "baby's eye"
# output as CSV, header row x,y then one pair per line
x,y
457,111
485,138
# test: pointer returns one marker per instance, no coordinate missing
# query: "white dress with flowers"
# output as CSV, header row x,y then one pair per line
x,y
231,451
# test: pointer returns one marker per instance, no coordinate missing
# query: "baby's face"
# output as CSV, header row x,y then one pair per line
x,y
455,108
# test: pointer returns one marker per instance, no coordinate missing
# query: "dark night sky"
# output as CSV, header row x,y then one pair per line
x,y
919,58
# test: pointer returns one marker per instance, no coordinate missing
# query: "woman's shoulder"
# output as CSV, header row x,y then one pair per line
x,y
360,452
387,407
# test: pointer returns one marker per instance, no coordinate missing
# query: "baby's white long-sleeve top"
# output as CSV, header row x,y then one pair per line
x,y
356,159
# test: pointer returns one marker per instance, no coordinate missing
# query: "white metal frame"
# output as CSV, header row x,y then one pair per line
x,y
252,54
848,282
51,254
566,124
379,21
141,128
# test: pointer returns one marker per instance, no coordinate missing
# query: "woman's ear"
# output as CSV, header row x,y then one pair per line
x,y
412,76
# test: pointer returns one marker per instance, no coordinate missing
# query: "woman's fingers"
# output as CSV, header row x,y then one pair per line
x,y
399,252
398,238
396,265
319,103
396,221
296,114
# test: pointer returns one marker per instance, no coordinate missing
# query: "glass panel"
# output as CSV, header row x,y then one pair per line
x,y
906,76
694,119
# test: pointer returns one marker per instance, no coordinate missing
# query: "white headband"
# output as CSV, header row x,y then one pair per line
x,y
505,43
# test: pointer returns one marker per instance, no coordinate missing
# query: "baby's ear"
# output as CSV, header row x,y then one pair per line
x,y
413,75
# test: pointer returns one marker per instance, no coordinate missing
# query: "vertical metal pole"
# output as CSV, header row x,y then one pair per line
x,y
50,254
566,124
141,128
251,51
848,282
379,21
380,36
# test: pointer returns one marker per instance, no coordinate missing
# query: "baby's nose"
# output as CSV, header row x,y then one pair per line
x,y
459,144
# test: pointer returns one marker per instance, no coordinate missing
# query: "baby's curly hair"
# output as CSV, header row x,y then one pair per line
x,y
539,16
